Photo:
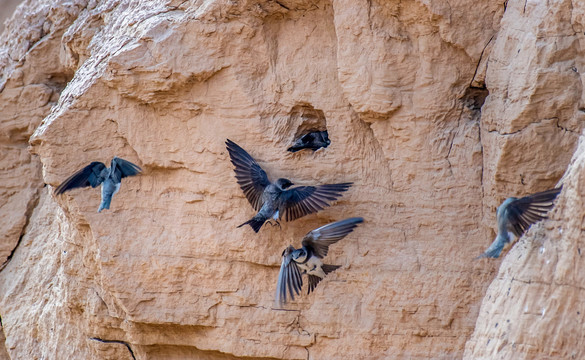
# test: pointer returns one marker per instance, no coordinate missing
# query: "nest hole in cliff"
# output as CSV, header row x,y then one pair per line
x,y
311,128
474,97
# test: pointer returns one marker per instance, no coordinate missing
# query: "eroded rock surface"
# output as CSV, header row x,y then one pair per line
x,y
165,274
533,308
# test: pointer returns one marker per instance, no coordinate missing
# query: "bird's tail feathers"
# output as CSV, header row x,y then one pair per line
x,y
105,204
255,223
329,268
493,251
484,255
314,280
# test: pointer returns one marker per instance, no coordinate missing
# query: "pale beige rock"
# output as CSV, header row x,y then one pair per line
x,y
533,115
165,274
7,7
534,308
31,81
3,352
534,102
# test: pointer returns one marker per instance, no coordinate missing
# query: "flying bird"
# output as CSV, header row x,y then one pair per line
x,y
275,200
97,173
515,216
307,259
313,140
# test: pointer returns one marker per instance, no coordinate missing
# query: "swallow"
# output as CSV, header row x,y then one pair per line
x,y
97,173
313,140
307,259
275,200
515,216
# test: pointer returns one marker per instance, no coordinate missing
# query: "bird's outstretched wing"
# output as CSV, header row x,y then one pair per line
x,y
251,178
319,239
91,175
121,168
315,280
523,212
289,278
303,142
304,200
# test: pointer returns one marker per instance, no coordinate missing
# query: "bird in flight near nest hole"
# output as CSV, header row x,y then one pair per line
x,y
277,200
313,140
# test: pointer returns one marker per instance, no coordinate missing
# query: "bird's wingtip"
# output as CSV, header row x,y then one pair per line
x,y
353,220
486,255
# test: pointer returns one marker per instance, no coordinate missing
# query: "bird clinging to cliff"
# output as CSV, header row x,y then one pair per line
x,y
276,200
515,216
313,140
97,173
308,258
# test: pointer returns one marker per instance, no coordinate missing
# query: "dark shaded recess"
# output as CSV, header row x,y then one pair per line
x,y
58,81
474,97
311,127
29,210
3,265
183,352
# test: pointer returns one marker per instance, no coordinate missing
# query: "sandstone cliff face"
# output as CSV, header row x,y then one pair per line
x,y
533,309
165,274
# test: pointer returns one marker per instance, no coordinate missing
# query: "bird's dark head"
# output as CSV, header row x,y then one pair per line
x,y
504,206
283,183
289,250
299,255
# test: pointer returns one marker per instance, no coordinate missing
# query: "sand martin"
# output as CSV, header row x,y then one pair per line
x,y
307,259
515,216
97,173
275,200
313,140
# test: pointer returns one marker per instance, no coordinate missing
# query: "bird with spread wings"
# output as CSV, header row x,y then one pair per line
x,y
96,174
308,259
278,200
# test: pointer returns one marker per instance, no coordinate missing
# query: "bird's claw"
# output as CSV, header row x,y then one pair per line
x,y
277,223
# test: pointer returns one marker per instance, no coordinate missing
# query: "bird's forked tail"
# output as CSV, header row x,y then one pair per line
x,y
329,268
255,223
105,204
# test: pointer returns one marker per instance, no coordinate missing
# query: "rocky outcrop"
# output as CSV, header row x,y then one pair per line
x,y
8,7
433,119
532,309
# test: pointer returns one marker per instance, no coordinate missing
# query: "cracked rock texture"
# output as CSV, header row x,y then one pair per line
x,y
436,110
534,307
